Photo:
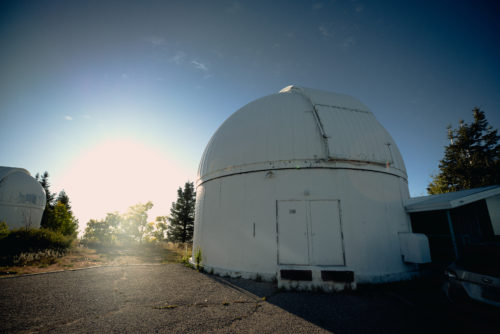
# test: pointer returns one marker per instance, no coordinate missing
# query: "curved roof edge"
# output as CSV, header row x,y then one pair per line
x,y
301,165
19,189
5,171
320,97
333,147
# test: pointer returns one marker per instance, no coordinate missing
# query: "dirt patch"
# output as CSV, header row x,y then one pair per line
x,y
77,257
82,257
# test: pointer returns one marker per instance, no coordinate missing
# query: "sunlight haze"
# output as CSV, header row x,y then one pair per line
x,y
118,99
117,174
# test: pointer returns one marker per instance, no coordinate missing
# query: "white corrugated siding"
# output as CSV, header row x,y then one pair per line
x,y
358,136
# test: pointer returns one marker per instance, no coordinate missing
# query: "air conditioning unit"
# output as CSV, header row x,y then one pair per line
x,y
414,247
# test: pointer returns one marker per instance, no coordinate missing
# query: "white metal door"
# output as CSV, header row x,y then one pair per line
x,y
326,236
293,247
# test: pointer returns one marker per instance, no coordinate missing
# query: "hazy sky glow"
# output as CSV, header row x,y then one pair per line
x,y
117,99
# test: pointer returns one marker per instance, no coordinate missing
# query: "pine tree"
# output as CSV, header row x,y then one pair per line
x,y
472,159
64,199
57,215
49,197
181,217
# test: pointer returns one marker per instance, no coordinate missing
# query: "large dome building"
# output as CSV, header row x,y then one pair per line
x,y
306,187
22,198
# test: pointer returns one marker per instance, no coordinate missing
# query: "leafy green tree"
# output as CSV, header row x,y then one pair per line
x,y
182,215
94,232
61,220
135,221
156,231
113,221
161,228
472,159
103,232
97,232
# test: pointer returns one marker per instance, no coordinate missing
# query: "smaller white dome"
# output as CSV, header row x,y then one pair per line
x,y
22,198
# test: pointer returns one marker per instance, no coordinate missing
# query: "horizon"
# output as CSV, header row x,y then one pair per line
x,y
117,101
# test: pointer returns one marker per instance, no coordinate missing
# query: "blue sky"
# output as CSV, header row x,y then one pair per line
x,y
83,80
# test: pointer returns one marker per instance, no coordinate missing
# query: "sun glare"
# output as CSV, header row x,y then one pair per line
x,y
120,173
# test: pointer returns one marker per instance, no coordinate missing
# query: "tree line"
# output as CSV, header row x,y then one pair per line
x,y
58,215
132,227
471,160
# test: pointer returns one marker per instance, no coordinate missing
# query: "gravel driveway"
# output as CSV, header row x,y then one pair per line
x,y
171,298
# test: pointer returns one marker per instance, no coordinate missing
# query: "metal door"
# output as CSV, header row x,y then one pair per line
x,y
310,233
293,245
326,235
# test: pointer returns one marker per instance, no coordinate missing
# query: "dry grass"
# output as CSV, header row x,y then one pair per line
x,y
76,257
146,253
82,257
175,252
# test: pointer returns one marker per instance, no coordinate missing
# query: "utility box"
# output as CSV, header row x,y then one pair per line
x,y
415,247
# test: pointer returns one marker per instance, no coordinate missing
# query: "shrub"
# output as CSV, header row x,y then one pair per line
x,y
46,257
198,258
27,241
4,229
185,261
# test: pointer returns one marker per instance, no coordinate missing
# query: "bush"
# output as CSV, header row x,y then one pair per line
x,y
185,261
4,229
46,257
26,241
198,258
95,244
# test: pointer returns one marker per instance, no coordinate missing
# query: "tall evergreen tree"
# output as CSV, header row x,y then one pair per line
x,y
57,215
181,217
64,199
49,197
472,159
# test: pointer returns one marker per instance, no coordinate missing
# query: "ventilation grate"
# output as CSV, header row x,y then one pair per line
x,y
337,276
296,275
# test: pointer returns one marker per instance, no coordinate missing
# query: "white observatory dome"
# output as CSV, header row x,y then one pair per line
x,y
300,127
306,187
22,198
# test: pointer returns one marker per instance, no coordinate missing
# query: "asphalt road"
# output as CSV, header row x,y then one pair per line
x,y
172,298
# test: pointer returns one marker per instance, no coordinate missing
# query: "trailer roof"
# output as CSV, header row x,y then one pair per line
x,y
450,200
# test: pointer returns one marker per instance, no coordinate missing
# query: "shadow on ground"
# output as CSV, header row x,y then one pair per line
x,y
410,307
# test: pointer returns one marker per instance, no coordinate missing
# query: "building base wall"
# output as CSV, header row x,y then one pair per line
x,y
239,231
